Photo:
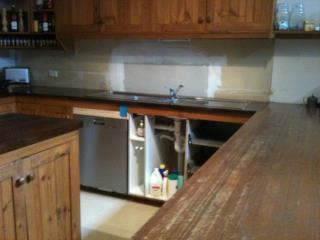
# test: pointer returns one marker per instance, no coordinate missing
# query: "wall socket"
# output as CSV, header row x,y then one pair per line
x,y
53,73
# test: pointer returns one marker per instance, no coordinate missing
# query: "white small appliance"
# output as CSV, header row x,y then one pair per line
x,y
16,75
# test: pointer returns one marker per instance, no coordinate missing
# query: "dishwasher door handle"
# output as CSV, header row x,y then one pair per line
x,y
98,122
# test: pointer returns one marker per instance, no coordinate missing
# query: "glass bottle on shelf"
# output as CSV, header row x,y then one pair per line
x,y
45,23
39,4
35,26
140,129
282,16
49,4
21,21
4,20
297,17
13,19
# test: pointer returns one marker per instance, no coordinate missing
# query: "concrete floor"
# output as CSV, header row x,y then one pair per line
x,y
104,217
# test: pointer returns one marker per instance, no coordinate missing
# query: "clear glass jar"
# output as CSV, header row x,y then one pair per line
x,y
297,17
282,16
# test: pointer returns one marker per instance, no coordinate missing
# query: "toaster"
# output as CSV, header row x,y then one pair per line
x,y
16,75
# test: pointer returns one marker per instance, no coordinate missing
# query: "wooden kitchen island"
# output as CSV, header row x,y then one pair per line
x,y
263,184
39,178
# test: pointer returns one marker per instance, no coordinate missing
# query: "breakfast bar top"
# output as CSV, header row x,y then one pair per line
x,y
262,184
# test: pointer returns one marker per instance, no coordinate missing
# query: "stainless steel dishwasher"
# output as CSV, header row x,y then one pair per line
x,y
104,153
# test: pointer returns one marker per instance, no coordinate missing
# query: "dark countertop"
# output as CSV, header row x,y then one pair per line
x,y
19,131
262,184
105,96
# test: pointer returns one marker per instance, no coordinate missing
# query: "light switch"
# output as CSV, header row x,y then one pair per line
x,y
53,73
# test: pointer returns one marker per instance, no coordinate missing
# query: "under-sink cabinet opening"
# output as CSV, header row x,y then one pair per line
x,y
181,146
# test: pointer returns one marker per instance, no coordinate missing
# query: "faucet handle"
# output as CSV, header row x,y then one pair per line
x,y
179,88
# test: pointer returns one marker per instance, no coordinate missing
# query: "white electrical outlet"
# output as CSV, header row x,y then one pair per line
x,y
53,73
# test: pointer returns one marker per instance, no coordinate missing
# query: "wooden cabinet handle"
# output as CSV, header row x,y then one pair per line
x,y
208,19
30,177
200,20
20,182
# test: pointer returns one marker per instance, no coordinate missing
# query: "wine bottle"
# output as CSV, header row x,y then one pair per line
x,y
21,21
39,4
14,19
45,23
4,20
49,4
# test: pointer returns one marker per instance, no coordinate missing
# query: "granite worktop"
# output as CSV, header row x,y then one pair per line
x,y
151,100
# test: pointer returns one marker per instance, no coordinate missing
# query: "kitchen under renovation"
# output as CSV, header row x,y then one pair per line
x,y
159,119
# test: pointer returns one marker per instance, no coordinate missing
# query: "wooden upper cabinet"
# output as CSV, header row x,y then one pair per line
x,y
239,16
123,16
84,16
161,18
179,16
110,16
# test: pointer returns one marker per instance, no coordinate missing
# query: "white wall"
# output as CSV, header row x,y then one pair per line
x,y
211,68
296,70
312,8
7,59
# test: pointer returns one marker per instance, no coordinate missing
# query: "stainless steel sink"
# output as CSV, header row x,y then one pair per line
x,y
212,103
181,101
132,97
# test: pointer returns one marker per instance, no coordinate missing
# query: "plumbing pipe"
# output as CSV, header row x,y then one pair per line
x,y
165,127
164,136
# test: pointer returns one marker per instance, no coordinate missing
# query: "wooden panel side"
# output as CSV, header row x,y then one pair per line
x,y
75,188
62,172
33,201
7,221
48,202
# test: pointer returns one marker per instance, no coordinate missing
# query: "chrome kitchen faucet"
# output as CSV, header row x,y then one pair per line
x,y
174,93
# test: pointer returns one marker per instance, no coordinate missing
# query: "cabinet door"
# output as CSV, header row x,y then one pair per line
x,y
136,16
13,224
55,111
186,16
85,16
110,17
123,16
7,108
28,108
48,195
240,16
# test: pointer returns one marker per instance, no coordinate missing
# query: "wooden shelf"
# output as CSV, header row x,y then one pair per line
x,y
206,143
137,191
14,33
159,198
43,10
297,34
137,139
27,33
33,48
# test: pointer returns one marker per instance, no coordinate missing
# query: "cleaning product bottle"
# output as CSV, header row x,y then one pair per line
x,y
165,184
172,184
156,183
162,169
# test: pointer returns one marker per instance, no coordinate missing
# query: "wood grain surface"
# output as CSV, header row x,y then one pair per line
x,y
263,184
19,131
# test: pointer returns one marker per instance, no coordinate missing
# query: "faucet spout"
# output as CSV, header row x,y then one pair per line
x,y
174,93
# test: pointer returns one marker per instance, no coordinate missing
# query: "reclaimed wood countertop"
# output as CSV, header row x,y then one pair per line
x,y
19,131
263,184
